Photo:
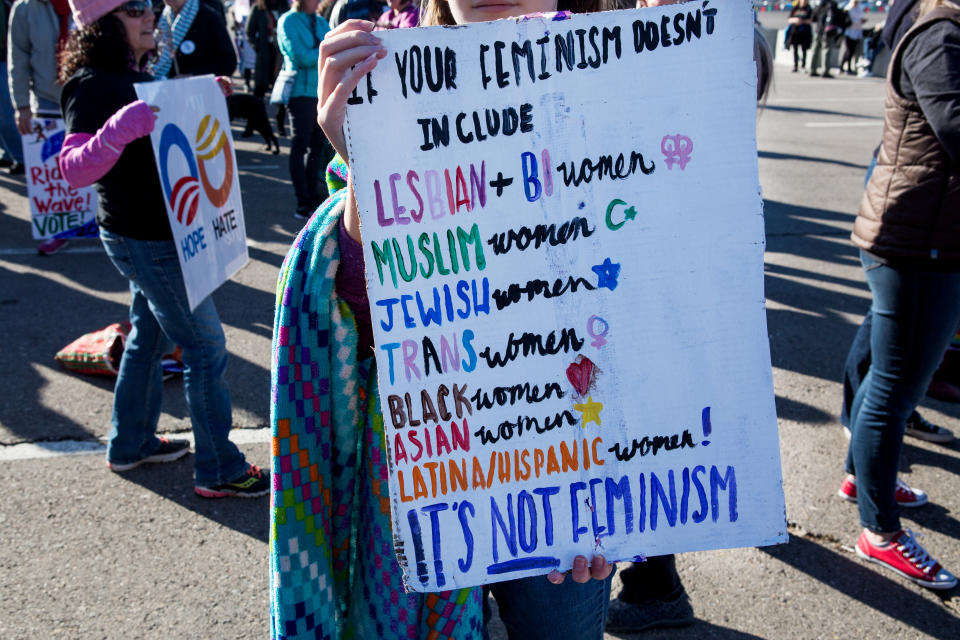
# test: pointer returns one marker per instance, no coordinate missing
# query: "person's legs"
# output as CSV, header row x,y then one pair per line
x,y
317,159
156,271
830,41
915,314
655,578
303,120
535,608
652,596
815,56
137,394
9,136
847,54
796,56
855,367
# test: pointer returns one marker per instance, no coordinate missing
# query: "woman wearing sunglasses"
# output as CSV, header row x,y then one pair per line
x,y
107,146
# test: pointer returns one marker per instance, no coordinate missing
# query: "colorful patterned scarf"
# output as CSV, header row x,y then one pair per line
x,y
333,571
171,32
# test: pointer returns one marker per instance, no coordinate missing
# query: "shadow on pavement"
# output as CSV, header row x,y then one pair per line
x,y
34,335
773,155
699,629
820,112
922,456
879,591
174,481
788,409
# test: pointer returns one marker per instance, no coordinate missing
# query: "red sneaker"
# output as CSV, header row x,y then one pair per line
x,y
905,556
51,246
905,496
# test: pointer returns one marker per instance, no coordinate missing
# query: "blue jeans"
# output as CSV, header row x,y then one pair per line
x,y
160,317
858,358
534,608
914,316
10,140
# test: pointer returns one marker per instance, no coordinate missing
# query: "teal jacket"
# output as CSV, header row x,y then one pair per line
x,y
300,50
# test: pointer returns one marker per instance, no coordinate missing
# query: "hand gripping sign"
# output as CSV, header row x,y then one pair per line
x,y
196,160
564,260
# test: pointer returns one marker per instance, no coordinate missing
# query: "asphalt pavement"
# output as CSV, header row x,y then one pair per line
x,y
85,553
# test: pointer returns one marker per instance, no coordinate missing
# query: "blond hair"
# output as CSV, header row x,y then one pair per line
x,y
437,12
926,6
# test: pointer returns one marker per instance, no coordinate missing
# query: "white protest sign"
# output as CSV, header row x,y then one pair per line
x,y
57,210
194,152
564,242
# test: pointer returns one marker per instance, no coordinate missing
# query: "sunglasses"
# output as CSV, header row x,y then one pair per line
x,y
135,8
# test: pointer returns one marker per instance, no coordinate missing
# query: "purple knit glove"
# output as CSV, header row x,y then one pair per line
x,y
128,124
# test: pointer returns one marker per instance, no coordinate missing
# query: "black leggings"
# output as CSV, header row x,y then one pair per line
x,y
308,139
799,51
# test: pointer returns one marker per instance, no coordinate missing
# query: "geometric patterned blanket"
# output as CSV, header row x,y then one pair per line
x,y
333,571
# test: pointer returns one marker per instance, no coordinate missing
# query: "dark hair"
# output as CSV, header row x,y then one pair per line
x,y
437,12
102,45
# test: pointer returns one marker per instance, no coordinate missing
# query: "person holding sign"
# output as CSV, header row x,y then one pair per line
x,y
107,145
326,409
911,259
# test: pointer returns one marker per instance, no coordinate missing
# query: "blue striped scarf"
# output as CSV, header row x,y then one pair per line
x,y
172,30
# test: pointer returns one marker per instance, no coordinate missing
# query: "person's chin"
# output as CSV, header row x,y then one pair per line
x,y
496,12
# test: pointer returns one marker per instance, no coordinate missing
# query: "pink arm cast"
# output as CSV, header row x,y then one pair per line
x,y
86,158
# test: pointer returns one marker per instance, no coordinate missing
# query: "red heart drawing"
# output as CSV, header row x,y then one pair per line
x,y
580,374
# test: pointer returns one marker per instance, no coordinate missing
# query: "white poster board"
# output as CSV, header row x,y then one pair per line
x,y
193,148
564,239
57,210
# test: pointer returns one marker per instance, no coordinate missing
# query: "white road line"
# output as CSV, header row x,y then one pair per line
x,y
839,125
97,249
33,251
34,450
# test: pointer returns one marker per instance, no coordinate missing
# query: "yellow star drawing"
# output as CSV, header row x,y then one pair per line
x,y
591,412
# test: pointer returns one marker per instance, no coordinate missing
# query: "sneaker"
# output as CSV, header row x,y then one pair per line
x,y
905,496
905,556
16,169
814,74
302,214
673,610
252,484
168,451
924,430
51,246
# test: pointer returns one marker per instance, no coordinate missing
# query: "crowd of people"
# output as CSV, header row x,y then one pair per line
x,y
79,60
836,34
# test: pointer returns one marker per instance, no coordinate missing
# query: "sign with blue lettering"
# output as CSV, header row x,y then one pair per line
x,y
564,257
197,164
